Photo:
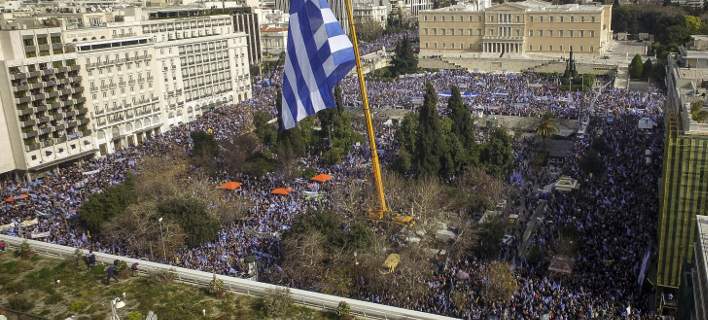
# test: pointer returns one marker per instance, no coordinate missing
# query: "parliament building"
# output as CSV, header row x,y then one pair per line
x,y
515,29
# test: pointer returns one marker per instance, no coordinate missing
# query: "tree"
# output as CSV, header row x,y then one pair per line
x,y
406,135
499,283
404,60
694,24
192,215
266,132
497,154
547,126
428,140
101,207
648,71
337,135
636,67
463,146
369,30
697,112
277,303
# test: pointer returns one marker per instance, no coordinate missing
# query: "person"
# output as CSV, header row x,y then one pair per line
x,y
111,273
134,269
91,259
2,246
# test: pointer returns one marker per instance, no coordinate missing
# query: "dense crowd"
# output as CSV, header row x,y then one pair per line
x,y
614,214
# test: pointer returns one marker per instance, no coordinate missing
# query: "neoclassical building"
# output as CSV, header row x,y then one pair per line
x,y
516,28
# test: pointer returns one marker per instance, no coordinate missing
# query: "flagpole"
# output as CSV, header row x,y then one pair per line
x,y
375,166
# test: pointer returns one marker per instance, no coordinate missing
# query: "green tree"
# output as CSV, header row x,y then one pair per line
x,y
694,24
648,71
547,126
636,67
404,60
192,215
99,208
429,141
496,155
463,124
406,135
266,132
337,135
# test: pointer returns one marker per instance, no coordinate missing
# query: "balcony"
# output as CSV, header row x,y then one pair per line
x,y
57,116
29,134
24,99
60,127
48,72
82,110
59,140
44,119
18,76
24,111
28,123
43,47
53,94
47,144
72,124
31,147
34,74
70,114
21,88
55,104
40,96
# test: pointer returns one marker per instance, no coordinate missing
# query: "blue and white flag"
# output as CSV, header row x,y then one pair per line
x,y
318,55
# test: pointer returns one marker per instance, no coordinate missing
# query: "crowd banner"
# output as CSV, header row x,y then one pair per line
x,y
237,285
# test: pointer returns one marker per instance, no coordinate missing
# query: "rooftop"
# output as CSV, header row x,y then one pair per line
x,y
528,6
702,239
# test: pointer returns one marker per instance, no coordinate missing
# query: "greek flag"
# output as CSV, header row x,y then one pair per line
x,y
318,55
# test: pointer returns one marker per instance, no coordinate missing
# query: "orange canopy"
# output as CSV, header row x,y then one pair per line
x,y
230,185
281,191
321,178
9,199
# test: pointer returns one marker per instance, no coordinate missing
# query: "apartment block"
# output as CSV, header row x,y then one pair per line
x,y
684,183
516,28
81,92
46,121
368,13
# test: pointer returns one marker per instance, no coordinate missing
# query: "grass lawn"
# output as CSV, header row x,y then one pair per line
x,y
30,286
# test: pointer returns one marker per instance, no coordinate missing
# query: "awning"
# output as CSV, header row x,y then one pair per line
x,y
321,178
281,191
230,185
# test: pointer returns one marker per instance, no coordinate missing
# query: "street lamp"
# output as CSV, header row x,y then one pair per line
x,y
162,240
116,304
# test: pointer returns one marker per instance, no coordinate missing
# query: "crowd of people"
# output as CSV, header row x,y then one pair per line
x,y
614,214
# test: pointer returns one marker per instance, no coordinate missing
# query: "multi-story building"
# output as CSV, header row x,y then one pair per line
x,y
694,295
275,40
245,19
85,91
367,13
415,7
684,184
338,7
46,121
693,4
516,28
122,91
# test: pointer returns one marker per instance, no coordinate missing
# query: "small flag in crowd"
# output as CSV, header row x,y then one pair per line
x,y
318,55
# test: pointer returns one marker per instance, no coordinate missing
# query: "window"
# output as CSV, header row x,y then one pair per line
x,y
550,48
518,19
560,33
551,18
531,18
561,19
592,19
530,33
592,48
572,19
582,33
571,33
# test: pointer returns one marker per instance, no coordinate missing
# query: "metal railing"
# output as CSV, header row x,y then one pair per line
x,y
310,299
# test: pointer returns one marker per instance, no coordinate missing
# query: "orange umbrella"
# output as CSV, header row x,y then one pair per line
x,y
230,185
9,199
281,191
321,178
